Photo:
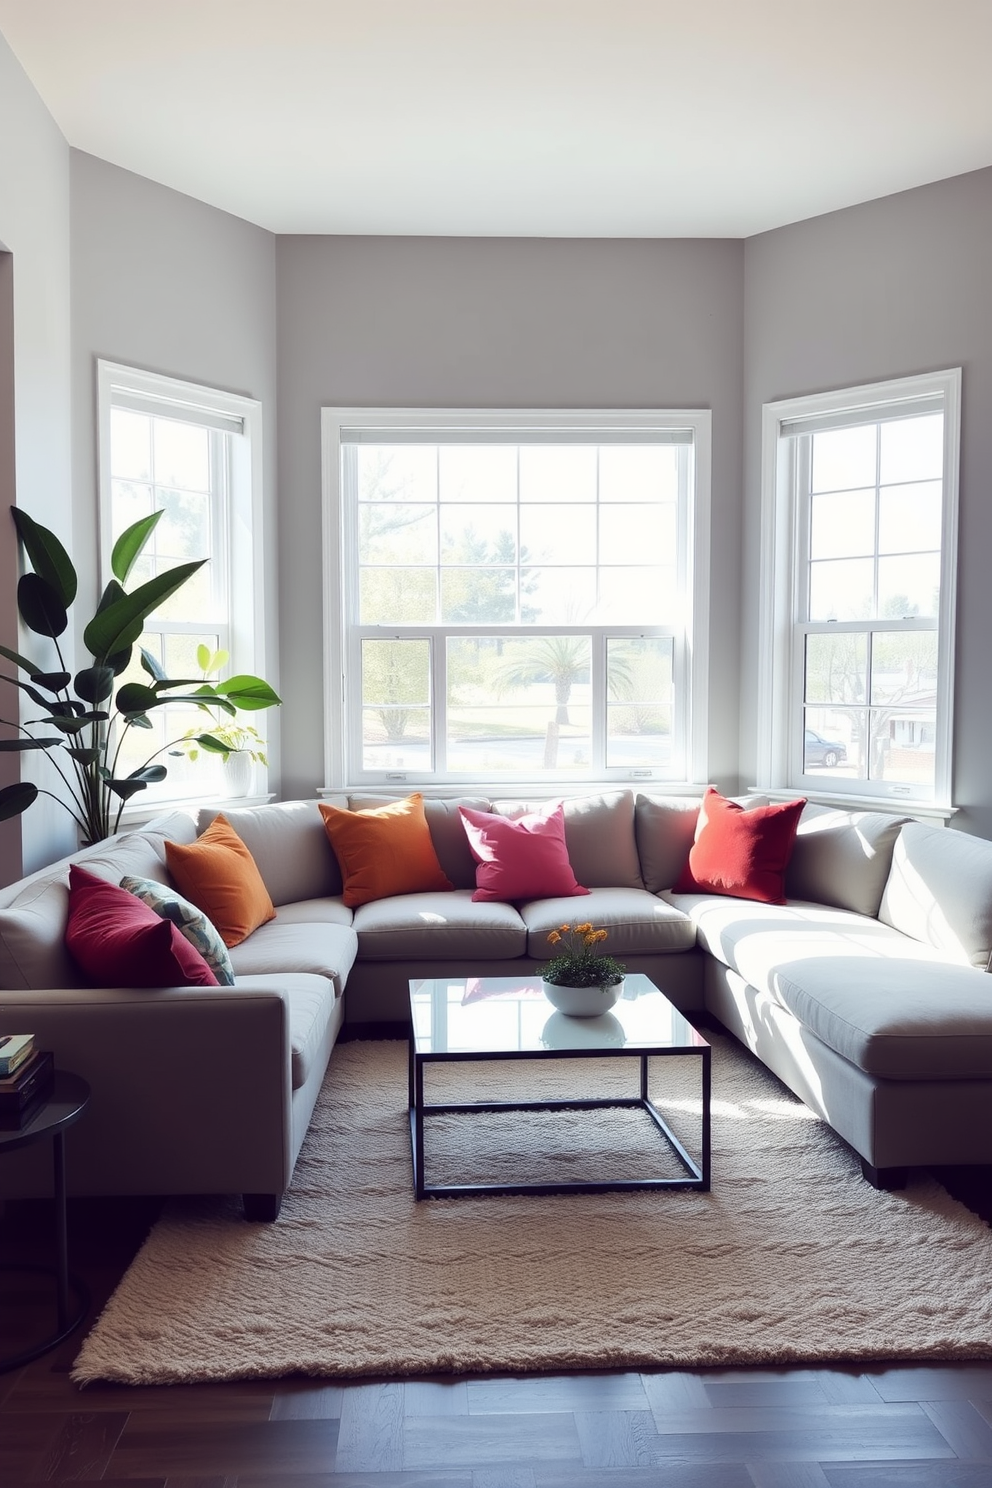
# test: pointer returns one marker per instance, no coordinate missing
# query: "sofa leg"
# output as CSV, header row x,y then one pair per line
x,y
887,1178
261,1208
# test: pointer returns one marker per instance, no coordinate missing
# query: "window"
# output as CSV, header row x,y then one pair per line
x,y
516,595
195,454
859,549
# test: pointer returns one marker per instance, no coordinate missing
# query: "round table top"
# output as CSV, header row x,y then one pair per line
x,y
65,1104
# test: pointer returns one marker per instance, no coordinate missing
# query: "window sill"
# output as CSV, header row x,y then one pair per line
x,y
890,805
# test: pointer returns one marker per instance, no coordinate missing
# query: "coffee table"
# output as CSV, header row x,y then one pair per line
x,y
466,1019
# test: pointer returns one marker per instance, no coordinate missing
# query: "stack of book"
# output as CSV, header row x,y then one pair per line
x,y
26,1077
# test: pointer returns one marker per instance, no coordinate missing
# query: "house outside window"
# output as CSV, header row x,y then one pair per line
x,y
858,591
515,596
195,454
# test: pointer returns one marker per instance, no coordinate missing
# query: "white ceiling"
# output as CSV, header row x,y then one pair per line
x,y
574,118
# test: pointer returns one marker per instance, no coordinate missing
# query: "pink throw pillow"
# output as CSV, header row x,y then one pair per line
x,y
120,942
522,859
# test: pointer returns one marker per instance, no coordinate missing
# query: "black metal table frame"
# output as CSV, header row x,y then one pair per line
x,y
66,1088
697,1173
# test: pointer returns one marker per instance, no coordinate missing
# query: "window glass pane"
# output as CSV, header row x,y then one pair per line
x,y
397,532
638,472
842,589
551,535
842,525
627,533
184,531
836,668
395,704
562,596
182,455
129,502
478,534
558,472
640,698
396,472
130,445
909,518
478,472
909,585
193,604
844,458
912,449
904,668
518,704
903,746
479,596
833,742
392,596
638,596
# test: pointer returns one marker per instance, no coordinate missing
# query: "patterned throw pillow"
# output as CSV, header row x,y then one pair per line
x,y
189,920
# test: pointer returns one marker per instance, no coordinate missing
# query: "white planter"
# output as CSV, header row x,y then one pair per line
x,y
582,1002
237,773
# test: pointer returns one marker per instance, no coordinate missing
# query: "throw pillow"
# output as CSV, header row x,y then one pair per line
x,y
384,850
221,877
188,920
522,858
739,852
119,942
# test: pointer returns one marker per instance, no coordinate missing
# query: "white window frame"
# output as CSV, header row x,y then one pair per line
x,y
780,720
240,523
342,752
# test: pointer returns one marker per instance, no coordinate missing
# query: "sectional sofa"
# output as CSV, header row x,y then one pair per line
x,y
866,992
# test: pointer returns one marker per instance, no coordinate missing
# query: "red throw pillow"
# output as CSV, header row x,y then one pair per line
x,y
120,942
522,859
738,852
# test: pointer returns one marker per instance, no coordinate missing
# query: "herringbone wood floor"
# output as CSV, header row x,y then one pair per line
x,y
874,1427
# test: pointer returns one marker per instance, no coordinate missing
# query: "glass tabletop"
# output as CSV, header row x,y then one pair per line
x,y
511,1015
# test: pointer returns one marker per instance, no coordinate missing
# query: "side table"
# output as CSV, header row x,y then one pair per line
x,y
68,1100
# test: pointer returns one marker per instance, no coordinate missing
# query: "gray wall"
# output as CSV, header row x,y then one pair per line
x,y
34,228
893,287
517,323
166,283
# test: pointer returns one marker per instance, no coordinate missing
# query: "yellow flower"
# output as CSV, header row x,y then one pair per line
x,y
554,937
565,928
583,929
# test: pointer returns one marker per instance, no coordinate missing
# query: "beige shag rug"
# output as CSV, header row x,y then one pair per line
x,y
792,1256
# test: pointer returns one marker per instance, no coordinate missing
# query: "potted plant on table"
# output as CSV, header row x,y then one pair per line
x,y
86,716
579,979
239,745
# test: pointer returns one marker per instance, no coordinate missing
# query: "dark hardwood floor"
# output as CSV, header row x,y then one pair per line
x,y
870,1427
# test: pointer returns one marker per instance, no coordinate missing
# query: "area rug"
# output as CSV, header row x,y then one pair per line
x,y
790,1258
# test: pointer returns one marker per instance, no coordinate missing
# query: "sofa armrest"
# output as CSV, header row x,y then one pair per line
x,y
191,1088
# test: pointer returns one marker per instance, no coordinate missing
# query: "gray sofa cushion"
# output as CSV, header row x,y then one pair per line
x,y
636,922
895,1019
289,845
939,890
599,836
32,930
282,946
842,857
664,827
311,1002
426,927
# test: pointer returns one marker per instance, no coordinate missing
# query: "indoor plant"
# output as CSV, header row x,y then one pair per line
x,y
580,979
84,721
239,744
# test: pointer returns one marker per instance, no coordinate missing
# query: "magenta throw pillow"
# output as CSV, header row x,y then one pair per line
x,y
522,859
119,942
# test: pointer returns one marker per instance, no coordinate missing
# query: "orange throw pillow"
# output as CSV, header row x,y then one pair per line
x,y
220,876
741,853
384,850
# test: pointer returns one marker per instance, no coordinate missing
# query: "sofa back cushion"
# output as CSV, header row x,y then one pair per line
x,y
664,828
599,836
939,891
842,857
290,848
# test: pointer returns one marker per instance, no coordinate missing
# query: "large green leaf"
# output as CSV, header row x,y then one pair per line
x,y
41,606
16,798
32,669
83,756
212,745
122,622
138,780
52,681
128,547
247,692
152,666
48,557
16,746
134,697
94,684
